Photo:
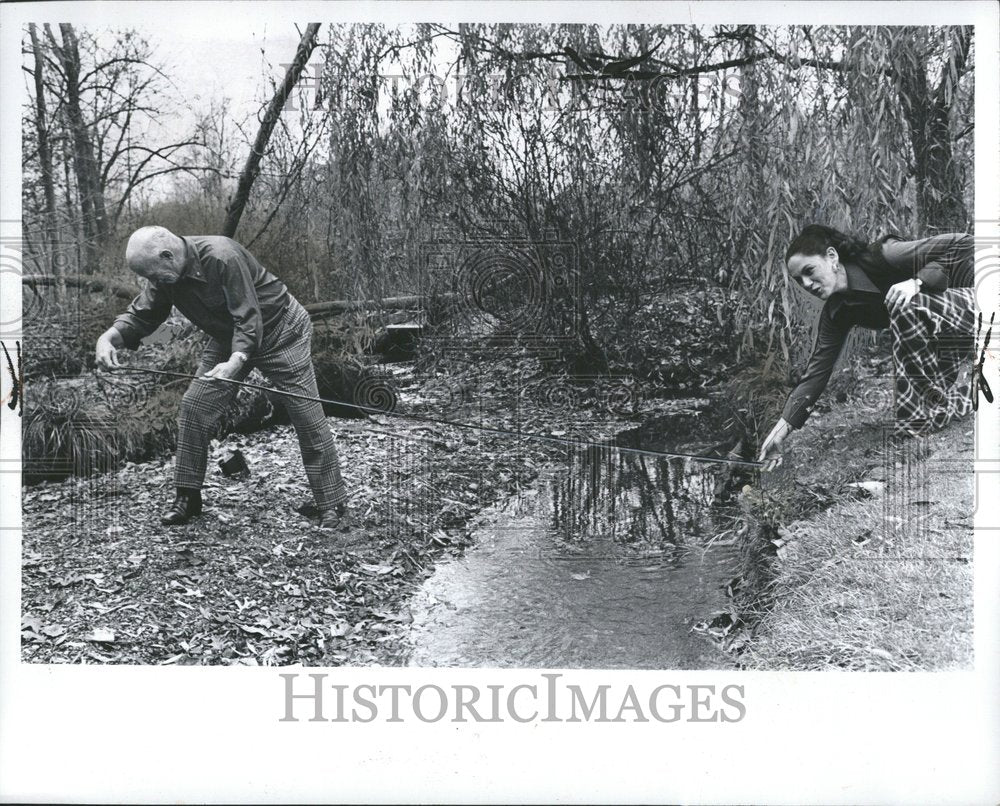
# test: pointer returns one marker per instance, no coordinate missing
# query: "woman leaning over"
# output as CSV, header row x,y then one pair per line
x,y
921,290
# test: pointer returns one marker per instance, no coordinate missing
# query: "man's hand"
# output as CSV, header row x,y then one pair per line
x,y
227,369
770,451
107,353
899,296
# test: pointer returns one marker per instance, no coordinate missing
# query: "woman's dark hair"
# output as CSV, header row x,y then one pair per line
x,y
815,239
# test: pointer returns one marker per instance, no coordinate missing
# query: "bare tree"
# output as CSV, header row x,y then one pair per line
x,y
249,174
91,195
105,89
57,265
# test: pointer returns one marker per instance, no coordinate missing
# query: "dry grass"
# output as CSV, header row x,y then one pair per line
x,y
882,584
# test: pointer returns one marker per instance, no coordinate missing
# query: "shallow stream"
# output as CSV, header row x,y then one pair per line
x,y
605,562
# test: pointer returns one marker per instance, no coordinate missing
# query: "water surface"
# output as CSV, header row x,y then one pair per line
x,y
600,564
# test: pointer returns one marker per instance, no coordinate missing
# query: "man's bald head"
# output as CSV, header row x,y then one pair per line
x,y
156,254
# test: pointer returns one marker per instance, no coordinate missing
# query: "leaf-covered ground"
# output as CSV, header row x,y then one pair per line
x,y
253,581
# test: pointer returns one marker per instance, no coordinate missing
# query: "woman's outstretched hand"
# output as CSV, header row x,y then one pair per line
x,y
899,296
770,451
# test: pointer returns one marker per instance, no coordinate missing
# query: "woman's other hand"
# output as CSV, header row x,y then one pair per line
x,y
899,296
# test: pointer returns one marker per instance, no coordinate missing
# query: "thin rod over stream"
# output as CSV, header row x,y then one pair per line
x,y
439,421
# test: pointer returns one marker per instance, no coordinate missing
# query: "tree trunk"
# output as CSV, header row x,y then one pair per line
x,y
252,167
940,205
56,260
91,194
73,218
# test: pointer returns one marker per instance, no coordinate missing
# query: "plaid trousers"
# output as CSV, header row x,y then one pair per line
x,y
285,358
932,342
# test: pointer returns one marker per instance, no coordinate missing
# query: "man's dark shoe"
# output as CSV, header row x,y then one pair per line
x,y
186,505
308,509
336,519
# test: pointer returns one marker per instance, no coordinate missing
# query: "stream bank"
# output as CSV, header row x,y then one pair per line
x,y
861,550
252,581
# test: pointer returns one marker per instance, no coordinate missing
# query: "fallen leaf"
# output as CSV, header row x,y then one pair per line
x,y
378,570
870,486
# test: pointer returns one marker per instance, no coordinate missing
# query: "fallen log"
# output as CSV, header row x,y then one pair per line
x,y
86,283
318,309
315,309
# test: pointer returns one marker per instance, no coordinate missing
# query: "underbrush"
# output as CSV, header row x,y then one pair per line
x,y
677,340
68,430
93,422
59,338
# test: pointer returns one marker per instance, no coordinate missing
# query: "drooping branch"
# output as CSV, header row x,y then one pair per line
x,y
600,66
955,67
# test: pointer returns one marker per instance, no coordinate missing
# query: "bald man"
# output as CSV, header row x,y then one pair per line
x,y
253,321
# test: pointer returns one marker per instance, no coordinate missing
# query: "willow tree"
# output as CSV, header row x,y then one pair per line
x,y
661,153
852,126
927,69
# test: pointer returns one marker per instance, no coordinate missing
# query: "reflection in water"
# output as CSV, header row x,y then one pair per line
x,y
643,503
601,564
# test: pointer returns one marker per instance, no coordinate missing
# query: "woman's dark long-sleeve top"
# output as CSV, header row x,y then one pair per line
x,y
940,262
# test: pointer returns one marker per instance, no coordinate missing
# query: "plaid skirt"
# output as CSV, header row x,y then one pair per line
x,y
933,348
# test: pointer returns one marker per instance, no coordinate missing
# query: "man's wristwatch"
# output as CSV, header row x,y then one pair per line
x,y
243,357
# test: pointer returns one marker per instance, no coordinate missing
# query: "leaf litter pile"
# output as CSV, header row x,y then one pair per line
x,y
253,581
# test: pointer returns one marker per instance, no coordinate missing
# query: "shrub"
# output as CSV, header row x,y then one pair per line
x,y
757,394
66,434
